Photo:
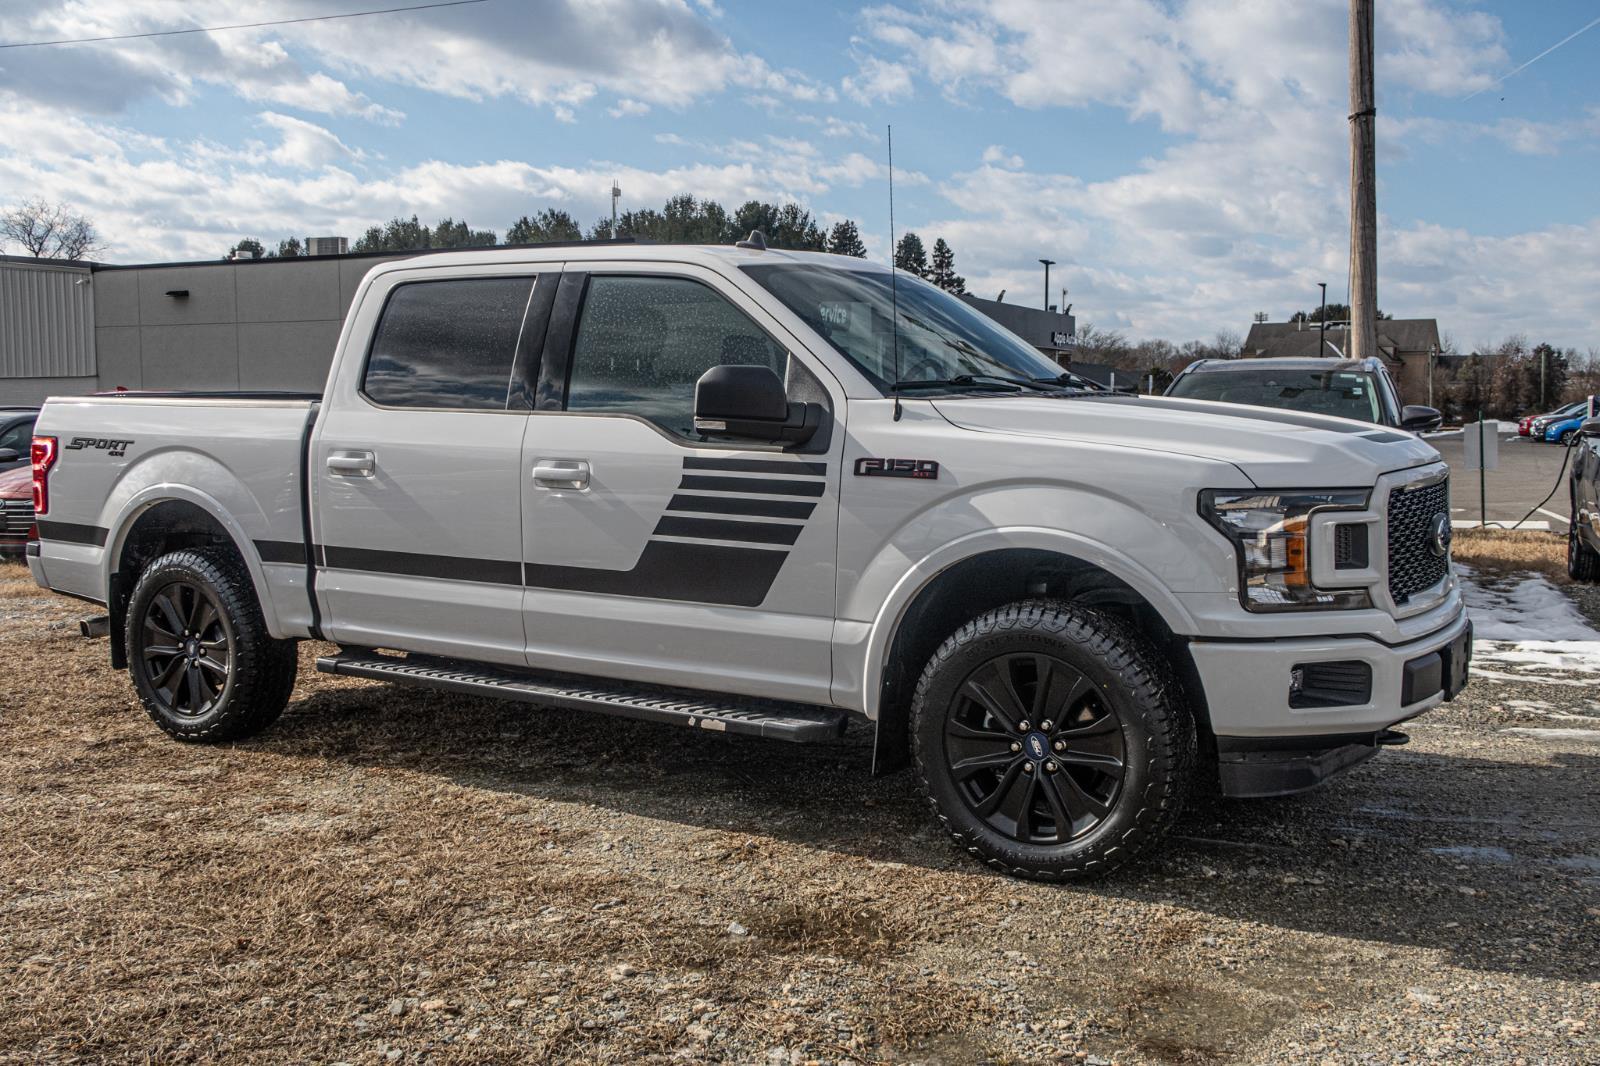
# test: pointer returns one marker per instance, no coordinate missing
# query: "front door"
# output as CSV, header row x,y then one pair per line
x,y
652,554
418,468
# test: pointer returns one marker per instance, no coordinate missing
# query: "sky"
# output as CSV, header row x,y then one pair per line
x,y
1185,162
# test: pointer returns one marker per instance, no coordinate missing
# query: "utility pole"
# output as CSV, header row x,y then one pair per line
x,y
1048,263
1363,188
1322,330
616,194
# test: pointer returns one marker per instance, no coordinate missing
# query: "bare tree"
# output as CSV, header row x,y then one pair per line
x,y
50,231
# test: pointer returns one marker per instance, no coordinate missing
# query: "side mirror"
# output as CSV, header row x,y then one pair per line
x,y
750,401
9,455
1419,419
1588,428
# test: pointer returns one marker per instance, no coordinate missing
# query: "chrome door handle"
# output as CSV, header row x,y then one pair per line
x,y
350,464
561,473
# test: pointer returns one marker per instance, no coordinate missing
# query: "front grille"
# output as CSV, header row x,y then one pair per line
x,y
16,517
1413,564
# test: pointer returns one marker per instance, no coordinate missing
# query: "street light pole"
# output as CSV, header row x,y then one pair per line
x,y
1322,324
1048,263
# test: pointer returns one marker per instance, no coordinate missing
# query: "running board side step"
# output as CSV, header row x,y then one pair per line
x,y
795,722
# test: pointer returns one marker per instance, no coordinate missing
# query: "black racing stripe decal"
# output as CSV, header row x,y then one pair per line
x,y
775,487
722,529
281,551
756,466
72,533
742,505
448,567
672,570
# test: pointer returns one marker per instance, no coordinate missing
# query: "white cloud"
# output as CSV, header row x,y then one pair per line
x,y
996,155
878,80
626,107
304,144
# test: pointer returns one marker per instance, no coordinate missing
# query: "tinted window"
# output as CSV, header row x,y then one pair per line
x,y
18,437
1328,392
447,343
939,336
643,342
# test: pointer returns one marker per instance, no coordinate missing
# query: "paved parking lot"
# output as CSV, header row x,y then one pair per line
x,y
1527,472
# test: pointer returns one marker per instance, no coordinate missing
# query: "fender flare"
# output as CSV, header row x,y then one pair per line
x,y
165,492
1062,542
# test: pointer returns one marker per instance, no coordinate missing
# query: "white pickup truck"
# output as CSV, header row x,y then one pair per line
x,y
759,492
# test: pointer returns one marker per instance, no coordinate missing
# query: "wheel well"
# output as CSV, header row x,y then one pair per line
x,y
982,583
165,527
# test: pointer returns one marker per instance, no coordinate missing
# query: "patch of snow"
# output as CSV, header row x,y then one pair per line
x,y
1470,853
1590,735
1523,608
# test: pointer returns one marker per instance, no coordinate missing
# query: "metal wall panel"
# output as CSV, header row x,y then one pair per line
x,y
46,321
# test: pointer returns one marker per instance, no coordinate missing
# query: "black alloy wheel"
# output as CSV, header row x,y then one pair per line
x,y
1034,751
187,648
1053,740
199,652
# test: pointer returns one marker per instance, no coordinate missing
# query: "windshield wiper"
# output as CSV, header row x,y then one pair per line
x,y
996,383
982,382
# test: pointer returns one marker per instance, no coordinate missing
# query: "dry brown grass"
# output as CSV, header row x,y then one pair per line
x,y
1502,552
456,880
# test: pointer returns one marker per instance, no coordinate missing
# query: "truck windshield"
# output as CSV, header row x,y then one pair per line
x,y
1347,394
941,339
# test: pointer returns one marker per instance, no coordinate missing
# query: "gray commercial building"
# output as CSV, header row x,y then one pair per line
x,y
71,328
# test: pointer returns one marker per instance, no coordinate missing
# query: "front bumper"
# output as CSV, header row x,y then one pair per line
x,y
1273,738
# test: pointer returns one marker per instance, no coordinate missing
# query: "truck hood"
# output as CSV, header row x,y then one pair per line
x,y
1274,448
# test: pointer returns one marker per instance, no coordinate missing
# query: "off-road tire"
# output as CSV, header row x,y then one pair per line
x,y
259,673
1583,562
1128,675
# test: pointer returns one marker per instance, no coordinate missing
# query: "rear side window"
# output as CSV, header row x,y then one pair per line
x,y
448,344
643,342
18,437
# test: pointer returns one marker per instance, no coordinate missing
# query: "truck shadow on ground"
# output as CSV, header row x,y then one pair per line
x,y
1488,862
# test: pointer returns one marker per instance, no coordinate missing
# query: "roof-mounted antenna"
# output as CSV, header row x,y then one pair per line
x,y
894,283
756,242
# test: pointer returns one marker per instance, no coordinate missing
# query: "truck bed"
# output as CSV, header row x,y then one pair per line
x,y
127,458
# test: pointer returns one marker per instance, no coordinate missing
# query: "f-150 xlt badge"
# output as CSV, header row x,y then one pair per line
x,y
922,469
101,444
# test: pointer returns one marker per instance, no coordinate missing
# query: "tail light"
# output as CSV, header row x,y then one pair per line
x,y
43,455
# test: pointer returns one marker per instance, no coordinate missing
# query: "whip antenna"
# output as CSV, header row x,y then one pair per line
x,y
894,284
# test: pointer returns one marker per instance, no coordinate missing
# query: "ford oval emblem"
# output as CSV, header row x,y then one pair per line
x,y
1440,537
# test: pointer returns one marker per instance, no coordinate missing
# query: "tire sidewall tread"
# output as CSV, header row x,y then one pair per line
x,y
1161,731
263,669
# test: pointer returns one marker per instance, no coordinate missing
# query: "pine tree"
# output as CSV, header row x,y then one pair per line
x,y
548,225
845,239
910,256
943,272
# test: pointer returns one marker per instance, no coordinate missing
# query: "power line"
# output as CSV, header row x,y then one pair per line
x,y
244,25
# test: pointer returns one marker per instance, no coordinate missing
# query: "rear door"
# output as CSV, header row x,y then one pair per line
x,y
652,554
417,461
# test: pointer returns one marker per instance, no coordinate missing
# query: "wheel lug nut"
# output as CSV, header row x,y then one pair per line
x,y
1027,767
1046,724
1060,745
1015,746
1050,766
1023,727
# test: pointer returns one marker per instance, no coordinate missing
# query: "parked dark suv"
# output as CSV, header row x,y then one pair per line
x,y
1348,388
1583,531
16,435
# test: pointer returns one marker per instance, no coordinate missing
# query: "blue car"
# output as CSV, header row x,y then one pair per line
x,y
1566,430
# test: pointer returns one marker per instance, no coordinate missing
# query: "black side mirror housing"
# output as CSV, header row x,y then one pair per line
x,y
750,401
1420,419
9,455
1589,427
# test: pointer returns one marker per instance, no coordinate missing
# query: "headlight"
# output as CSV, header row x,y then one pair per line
x,y
1268,529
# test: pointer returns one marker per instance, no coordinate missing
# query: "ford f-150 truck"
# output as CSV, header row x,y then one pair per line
x,y
757,491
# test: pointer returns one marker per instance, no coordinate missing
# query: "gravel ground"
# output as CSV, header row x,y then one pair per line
x,y
392,875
